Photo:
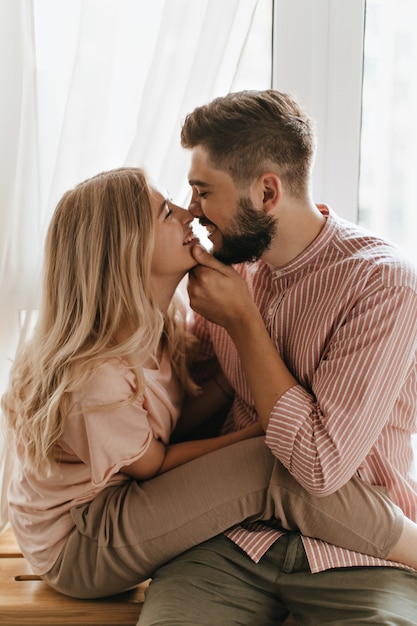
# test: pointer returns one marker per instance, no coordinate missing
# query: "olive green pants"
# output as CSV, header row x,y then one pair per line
x,y
216,583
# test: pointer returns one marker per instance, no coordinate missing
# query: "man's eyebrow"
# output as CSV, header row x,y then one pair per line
x,y
199,183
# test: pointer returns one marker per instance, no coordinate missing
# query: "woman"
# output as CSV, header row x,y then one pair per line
x,y
94,397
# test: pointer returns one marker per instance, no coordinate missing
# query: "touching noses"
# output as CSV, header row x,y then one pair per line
x,y
195,208
186,216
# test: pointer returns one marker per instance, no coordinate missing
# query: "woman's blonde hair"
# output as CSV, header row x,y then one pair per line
x,y
98,257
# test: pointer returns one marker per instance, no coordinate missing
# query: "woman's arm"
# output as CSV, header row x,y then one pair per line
x,y
160,458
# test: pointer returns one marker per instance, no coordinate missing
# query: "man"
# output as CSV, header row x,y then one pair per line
x,y
318,337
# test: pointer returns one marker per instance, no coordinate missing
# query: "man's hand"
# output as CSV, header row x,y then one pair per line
x,y
221,295
217,291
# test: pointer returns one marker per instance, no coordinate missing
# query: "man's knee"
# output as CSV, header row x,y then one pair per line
x,y
177,594
214,583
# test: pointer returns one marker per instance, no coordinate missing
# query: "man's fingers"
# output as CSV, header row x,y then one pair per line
x,y
204,258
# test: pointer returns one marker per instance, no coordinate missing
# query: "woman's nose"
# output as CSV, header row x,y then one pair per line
x,y
186,216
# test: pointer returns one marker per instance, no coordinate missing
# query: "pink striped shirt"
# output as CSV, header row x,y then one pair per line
x,y
343,316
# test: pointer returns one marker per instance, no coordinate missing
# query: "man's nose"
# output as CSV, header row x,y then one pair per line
x,y
194,208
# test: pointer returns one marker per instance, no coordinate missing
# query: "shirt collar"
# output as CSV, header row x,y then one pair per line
x,y
316,247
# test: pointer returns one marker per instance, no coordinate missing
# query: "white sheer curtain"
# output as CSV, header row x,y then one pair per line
x,y
19,189
89,85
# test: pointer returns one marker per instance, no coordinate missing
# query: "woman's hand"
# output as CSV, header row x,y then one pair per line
x,y
253,430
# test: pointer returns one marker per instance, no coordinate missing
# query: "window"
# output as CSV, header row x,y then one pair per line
x,y
387,203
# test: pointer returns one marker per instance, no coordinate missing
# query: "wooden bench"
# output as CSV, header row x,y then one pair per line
x,y
25,599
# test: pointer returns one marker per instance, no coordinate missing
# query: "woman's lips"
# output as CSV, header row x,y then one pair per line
x,y
190,238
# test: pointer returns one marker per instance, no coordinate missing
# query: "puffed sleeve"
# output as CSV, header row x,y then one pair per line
x,y
107,438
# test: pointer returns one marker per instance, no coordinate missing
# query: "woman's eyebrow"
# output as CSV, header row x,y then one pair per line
x,y
162,206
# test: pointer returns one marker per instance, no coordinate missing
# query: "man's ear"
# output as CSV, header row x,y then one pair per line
x,y
272,190
267,191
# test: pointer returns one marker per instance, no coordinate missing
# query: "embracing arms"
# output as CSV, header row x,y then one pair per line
x,y
159,458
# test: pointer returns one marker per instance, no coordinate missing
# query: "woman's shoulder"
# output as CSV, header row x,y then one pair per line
x,y
111,380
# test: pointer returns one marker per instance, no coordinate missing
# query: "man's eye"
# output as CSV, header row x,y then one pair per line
x,y
202,194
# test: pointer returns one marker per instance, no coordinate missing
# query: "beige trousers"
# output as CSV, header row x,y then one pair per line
x,y
128,531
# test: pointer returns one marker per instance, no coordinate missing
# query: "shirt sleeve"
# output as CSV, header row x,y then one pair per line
x,y
104,429
323,434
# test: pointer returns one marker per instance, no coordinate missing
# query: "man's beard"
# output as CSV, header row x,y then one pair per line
x,y
249,236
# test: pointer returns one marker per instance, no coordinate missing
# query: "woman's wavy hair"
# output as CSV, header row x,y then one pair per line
x,y
97,261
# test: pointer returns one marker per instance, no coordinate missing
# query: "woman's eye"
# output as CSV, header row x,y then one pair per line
x,y
168,211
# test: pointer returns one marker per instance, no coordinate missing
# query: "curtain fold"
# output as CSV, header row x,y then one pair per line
x,y
19,191
90,85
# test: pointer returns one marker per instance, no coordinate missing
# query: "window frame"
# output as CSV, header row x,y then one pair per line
x,y
318,56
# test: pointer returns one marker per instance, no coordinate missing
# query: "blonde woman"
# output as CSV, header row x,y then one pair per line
x,y
94,397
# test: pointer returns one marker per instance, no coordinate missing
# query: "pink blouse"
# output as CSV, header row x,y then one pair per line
x,y
93,448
